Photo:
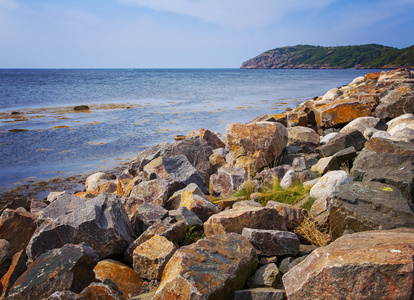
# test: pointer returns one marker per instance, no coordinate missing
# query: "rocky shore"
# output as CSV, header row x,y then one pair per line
x,y
171,227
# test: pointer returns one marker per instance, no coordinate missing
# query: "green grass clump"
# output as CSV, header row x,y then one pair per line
x,y
191,236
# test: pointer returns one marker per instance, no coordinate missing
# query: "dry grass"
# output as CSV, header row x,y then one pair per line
x,y
310,231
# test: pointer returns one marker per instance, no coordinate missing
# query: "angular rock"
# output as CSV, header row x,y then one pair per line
x,y
148,214
400,73
300,164
325,165
151,257
355,139
227,180
254,146
169,228
101,222
211,268
36,206
216,161
327,138
194,199
289,179
360,124
94,180
293,215
177,171
302,136
272,242
128,281
356,266
234,220
302,115
319,211
66,268
265,276
246,204
144,157
396,103
388,162
190,218
260,294
5,256
97,290
400,125
397,119
362,206
212,140
267,176
328,182
17,227
106,187
17,268
54,195
345,155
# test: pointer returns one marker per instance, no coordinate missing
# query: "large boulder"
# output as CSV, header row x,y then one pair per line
x,y
327,184
360,124
101,222
128,281
66,268
194,199
342,141
302,136
227,180
398,101
362,206
254,146
177,171
234,220
95,180
212,140
363,265
387,161
144,157
211,268
302,115
148,214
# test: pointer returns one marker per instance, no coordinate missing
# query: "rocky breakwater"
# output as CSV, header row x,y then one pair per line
x,y
171,226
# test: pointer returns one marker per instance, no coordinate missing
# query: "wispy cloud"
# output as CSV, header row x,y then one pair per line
x,y
232,13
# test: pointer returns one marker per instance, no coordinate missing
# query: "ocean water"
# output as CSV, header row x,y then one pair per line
x,y
149,106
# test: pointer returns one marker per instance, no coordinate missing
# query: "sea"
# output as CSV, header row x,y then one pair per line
x,y
42,137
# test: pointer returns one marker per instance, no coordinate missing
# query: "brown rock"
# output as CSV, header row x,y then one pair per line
x,y
99,290
211,268
212,140
151,257
254,146
305,137
128,281
106,187
234,220
260,294
363,265
217,161
227,180
293,215
302,115
17,268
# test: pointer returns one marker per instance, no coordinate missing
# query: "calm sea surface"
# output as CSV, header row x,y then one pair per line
x,y
164,103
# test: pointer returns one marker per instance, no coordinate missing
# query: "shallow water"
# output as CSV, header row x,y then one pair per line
x,y
150,106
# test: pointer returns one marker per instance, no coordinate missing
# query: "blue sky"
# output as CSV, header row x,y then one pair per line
x,y
188,33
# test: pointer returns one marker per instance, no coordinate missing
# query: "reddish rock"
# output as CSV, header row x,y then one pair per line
x,y
128,281
254,146
227,180
363,265
17,227
99,291
293,215
234,220
212,140
17,268
211,268
66,268
302,115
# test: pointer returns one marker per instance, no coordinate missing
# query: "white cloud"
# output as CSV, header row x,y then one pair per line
x,y
8,4
232,13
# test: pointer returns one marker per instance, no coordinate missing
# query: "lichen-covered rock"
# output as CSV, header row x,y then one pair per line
x,y
211,268
212,140
151,257
302,115
66,268
227,180
101,222
144,157
302,136
254,146
17,268
94,180
128,281
272,242
234,220
363,265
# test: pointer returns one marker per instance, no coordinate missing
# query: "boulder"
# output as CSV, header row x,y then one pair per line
x,y
36,206
254,146
266,276
328,182
331,95
54,195
400,125
327,138
101,222
17,227
363,265
234,220
325,165
360,124
354,139
177,171
106,187
148,214
302,136
128,281
399,118
302,115
95,180
211,268
289,179
397,102
300,164
151,257
66,268
267,176
227,180
246,204
16,269
144,157
362,206
5,256
340,112
401,73
293,215
98,290
212,140
216,161
345,155
194,199
386,161
272,242
260,294
190,218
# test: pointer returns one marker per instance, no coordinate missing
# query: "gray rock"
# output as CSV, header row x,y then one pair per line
x,y
284,266
328,182
325,165
95,180
289,179
327,138
360,124
101,222
345,155
265,276
148,214
6,255
186,215
272,242
343,141
144,157
227,180
246,203
260,294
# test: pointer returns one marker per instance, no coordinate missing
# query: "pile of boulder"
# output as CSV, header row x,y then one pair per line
x,y
169,228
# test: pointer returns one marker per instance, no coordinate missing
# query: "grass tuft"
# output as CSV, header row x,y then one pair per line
x,y
310,231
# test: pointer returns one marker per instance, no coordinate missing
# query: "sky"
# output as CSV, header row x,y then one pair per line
x,y
188,33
